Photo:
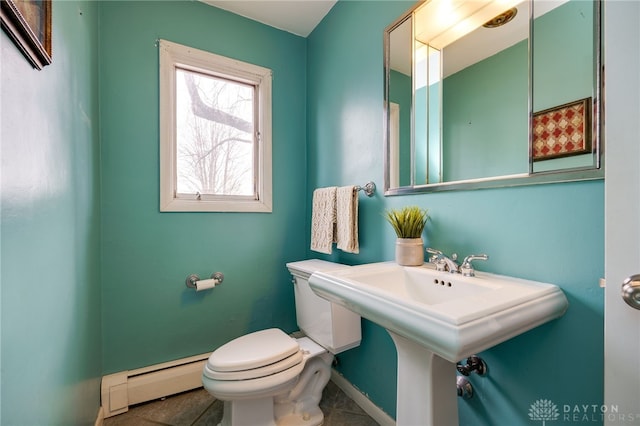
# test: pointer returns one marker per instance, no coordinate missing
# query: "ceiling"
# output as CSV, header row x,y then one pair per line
x,y
299,17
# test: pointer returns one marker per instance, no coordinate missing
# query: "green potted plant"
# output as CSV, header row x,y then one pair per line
x,y
408,223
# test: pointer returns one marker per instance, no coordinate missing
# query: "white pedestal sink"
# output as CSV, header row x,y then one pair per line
x,y
436,319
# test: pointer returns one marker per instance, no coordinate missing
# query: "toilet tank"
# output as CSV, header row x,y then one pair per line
x,y
331,326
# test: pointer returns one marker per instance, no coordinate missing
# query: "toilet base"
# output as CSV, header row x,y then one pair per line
x,y
249,412
299,405
262,412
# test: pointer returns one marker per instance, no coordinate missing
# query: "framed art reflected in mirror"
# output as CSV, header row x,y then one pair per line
x,y
28,24
562,131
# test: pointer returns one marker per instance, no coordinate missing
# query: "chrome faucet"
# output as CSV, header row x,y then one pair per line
x,y
442,262
466,269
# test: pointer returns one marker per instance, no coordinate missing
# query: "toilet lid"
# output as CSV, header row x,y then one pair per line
x,y
255,350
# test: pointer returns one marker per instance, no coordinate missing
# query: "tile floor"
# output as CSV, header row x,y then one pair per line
x,y
198,408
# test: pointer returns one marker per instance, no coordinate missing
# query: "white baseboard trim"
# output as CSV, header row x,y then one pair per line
x,y
363,402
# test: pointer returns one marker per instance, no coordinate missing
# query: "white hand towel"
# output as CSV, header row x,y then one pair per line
x,y
323,219
347,219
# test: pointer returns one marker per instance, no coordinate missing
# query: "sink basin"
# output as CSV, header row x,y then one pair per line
x,y
453,315
436,319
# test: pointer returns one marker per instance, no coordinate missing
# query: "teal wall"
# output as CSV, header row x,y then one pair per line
x,y
50,276
552,233
149,315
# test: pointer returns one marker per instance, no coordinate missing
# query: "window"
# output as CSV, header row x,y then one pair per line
x,y
215,132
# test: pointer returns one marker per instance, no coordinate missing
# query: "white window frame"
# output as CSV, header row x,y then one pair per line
x,y
172,56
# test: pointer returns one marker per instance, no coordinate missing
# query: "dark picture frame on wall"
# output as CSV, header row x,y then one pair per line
x,y
28,23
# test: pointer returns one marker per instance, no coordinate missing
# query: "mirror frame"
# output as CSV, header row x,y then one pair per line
x,y
595,172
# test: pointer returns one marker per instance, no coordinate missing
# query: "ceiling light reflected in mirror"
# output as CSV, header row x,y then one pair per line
x,y
502,19
441,22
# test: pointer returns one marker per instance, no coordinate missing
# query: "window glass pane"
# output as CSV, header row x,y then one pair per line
x,y
214,135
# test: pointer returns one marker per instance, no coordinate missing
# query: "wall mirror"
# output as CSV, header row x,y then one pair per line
x,y
491,93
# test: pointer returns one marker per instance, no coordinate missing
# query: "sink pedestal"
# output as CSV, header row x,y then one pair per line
x,y
426,386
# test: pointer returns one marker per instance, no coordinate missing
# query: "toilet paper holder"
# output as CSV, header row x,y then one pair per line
x,y
193,278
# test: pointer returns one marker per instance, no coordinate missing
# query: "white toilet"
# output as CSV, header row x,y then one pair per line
x,y
269,378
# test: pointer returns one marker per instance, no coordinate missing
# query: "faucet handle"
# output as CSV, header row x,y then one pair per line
x,y
437,258
435,254
434,251
442,262
466,269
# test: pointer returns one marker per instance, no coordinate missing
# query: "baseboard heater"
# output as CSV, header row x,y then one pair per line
x,y
120,390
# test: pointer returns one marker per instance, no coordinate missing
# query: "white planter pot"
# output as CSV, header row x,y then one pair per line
x,y
409,251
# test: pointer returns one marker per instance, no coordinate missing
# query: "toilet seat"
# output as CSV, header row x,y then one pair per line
x,y
256,373
236,390
255,355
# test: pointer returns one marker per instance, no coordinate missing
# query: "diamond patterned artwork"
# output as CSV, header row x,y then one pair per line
x,y
562,131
